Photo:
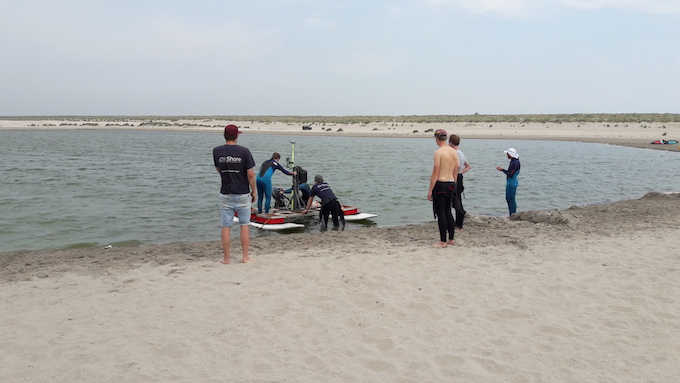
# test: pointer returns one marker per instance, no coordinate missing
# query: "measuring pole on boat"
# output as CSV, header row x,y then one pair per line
x,y
290,161
296,200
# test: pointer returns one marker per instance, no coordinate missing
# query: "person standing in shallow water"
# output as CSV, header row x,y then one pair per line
x,y
512,181
235,164
442,186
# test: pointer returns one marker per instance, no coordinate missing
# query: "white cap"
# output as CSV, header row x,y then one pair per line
x,y
512,153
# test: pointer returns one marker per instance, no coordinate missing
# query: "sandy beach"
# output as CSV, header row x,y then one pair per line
x,y
585,294
580,295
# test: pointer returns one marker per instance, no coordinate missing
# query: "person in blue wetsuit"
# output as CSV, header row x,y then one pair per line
x,y
512,181
264,181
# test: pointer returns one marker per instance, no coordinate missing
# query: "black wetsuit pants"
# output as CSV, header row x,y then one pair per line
x,y
334,209
442,196
458,202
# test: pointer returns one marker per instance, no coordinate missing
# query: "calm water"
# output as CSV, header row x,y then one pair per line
x,y
94,188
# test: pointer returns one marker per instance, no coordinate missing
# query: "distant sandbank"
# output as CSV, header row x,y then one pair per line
x,y
638,134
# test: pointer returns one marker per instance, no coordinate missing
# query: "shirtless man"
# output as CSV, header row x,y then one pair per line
x,y
442,184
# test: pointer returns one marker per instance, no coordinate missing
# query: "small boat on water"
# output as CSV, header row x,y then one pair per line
x,y
664,142
283,219
287,211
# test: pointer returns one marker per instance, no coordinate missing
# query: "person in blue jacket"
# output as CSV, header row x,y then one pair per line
x,y
264,181
304,190
512,181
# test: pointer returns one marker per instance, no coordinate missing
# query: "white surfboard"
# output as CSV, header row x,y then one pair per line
x,y
276,226
359,216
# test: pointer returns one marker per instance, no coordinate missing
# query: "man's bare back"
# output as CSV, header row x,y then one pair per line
x,y
444,175
446,166
447,157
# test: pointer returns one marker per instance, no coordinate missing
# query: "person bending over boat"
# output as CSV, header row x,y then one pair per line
x,y
442,186
264,181
329,203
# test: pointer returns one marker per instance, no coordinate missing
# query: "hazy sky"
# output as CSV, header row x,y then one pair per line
x,y
338,57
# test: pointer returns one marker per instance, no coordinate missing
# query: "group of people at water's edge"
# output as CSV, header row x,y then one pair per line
x,y
239,185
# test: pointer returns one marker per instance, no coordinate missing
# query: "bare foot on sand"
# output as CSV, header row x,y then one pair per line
x,y
246,260
225,261
439,245
450,242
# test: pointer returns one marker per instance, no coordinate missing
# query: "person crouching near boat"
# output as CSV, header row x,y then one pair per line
x,y
329,203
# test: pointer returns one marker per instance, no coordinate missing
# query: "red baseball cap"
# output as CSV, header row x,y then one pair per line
x,y
232,130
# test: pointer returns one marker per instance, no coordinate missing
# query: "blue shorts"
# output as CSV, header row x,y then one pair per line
x,y
231,204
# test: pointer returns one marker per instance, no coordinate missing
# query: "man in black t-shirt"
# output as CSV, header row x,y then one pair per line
x,y
329,203
235,164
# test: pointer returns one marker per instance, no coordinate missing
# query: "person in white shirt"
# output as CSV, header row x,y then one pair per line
x,y
457,202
